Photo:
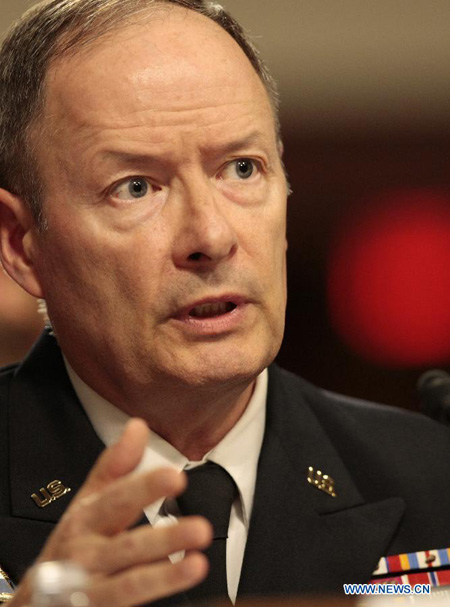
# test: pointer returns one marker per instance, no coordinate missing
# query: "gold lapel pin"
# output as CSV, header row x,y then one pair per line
x,y
52,492
322,481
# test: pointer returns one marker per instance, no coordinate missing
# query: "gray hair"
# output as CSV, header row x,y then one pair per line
x,y
51,30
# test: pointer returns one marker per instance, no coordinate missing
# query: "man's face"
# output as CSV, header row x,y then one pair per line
x,y
165,197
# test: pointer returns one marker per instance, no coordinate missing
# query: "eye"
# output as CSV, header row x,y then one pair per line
x,y
132,189
242,168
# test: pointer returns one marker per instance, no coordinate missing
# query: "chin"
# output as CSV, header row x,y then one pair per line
x,y
226,369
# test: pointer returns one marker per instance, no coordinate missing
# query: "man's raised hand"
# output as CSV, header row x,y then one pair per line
x,y
127,567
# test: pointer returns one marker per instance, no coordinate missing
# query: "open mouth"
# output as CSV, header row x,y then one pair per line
x,y
212,310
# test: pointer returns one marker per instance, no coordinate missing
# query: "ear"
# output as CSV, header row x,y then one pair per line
x,y
280,147
18,240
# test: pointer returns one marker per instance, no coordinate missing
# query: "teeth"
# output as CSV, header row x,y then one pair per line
x,y
208,310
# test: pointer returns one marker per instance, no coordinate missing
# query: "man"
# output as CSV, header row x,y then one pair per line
x,y
144,200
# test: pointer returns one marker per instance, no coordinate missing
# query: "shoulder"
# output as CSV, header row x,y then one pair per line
x,y
392,442
354,413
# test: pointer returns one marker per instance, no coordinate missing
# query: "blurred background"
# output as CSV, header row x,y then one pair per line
x,y
365,89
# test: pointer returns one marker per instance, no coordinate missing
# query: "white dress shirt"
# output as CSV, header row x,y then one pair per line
x,y
238,452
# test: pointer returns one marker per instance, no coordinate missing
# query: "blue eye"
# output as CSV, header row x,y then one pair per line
x,y
132,189
240,169
244,168
138,188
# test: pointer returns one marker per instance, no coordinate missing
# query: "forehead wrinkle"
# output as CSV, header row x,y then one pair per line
x,y
150,128
217,147
150,124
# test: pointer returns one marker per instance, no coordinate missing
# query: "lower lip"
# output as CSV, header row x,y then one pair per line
x,y
214,325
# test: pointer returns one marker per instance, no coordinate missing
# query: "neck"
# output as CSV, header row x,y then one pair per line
x,y
196,428
192,419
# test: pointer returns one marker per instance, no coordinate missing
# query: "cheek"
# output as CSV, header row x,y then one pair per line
x,y
269,254
74,269
278,266
276,242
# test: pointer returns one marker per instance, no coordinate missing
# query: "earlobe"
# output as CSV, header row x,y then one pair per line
x,y
18,235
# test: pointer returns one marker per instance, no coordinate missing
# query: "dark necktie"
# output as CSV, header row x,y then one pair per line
x,y
210,493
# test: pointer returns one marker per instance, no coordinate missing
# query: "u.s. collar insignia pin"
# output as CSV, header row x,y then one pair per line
x,y
52,492
6,587
322,481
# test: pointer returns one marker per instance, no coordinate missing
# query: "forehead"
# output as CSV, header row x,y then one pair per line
x,y
169,59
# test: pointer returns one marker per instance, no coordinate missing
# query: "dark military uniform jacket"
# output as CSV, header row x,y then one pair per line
x,y
391,473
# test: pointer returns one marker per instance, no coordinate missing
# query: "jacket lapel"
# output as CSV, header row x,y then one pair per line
x,y
50,439
300,538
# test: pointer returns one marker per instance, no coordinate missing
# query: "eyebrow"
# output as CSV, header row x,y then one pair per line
x,y
218,149
253,138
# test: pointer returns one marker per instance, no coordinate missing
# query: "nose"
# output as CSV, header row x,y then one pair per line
x,y
206,235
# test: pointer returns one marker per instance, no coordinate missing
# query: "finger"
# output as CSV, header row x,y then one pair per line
x,y
119,459
144,545
120,505
148,583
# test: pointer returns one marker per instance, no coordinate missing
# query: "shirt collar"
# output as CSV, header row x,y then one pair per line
x,y
238,452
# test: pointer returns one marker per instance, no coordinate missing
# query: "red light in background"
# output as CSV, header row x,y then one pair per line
x,y
389,279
